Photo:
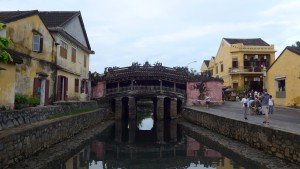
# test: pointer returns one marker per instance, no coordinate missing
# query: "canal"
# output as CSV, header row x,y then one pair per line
x,y
153,145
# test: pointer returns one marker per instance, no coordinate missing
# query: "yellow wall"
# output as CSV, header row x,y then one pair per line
x,y
66,63
7,85
21,33
204,68
225,54
288,65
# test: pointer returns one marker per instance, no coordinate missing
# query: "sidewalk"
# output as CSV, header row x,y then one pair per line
x,y
283,118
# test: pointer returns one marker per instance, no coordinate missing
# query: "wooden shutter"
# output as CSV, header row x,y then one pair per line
x,y
41,45
58,89
47,92
76,85
66,88
35,87
82,86
84,60
73,57
86,87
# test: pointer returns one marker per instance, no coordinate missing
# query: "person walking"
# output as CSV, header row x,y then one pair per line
x,y
265,105
245,105
271,105
207,100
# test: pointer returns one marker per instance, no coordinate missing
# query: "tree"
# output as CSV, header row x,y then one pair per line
x,y
297,44
4,44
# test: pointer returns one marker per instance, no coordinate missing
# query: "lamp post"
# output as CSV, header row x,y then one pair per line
x,y
190,63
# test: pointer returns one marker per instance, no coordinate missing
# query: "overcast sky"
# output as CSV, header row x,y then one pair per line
x,y
173,32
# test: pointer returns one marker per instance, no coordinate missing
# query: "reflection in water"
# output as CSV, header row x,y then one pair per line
x,y
162,146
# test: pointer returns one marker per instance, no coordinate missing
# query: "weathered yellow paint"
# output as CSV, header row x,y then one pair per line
x,y
287,65
7,85
21,33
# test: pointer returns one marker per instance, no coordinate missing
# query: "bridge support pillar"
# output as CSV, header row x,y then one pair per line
x,y
160,107
173,111
132,130
119,109
132,108
118,131
160,131
173,130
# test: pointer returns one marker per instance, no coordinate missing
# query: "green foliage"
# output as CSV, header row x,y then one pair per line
x,y
241,89
21,99
33,101
297,44
24,99
4,43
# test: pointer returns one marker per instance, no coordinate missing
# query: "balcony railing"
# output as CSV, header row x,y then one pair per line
x,y
149,89
241,69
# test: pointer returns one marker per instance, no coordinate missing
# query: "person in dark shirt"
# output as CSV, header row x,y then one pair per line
x,y
265,105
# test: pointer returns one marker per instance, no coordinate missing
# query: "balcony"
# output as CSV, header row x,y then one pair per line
x,y
246,69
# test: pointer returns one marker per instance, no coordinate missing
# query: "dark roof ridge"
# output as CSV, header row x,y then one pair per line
x,y
75,13
247,41
18,15
294,49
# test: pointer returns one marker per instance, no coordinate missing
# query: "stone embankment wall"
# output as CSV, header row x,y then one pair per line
x,y
279,143
21,142
30,115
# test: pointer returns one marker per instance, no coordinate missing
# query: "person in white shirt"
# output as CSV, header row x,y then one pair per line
x,y
245,105
271,105
207,100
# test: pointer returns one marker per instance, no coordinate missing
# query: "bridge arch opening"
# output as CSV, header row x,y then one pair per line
x,y
167,108
125,108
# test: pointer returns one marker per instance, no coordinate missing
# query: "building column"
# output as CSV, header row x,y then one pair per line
x,y
160,107
132,108
118,106
173,107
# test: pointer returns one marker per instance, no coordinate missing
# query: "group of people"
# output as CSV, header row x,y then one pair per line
x,y
264,99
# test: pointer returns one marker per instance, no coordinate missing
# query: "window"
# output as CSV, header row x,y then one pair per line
x,y
222,67
63,49
73,55
281,85
37,43
84,60
216,69
234,62
280,88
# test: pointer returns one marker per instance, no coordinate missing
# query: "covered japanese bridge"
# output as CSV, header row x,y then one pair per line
x,y
168,88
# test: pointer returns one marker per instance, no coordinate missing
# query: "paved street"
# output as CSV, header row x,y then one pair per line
x,y
286,119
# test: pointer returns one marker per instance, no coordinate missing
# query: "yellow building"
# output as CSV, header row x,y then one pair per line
x,y
204,66
283,78
8,81
241,62
34,44
72,54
